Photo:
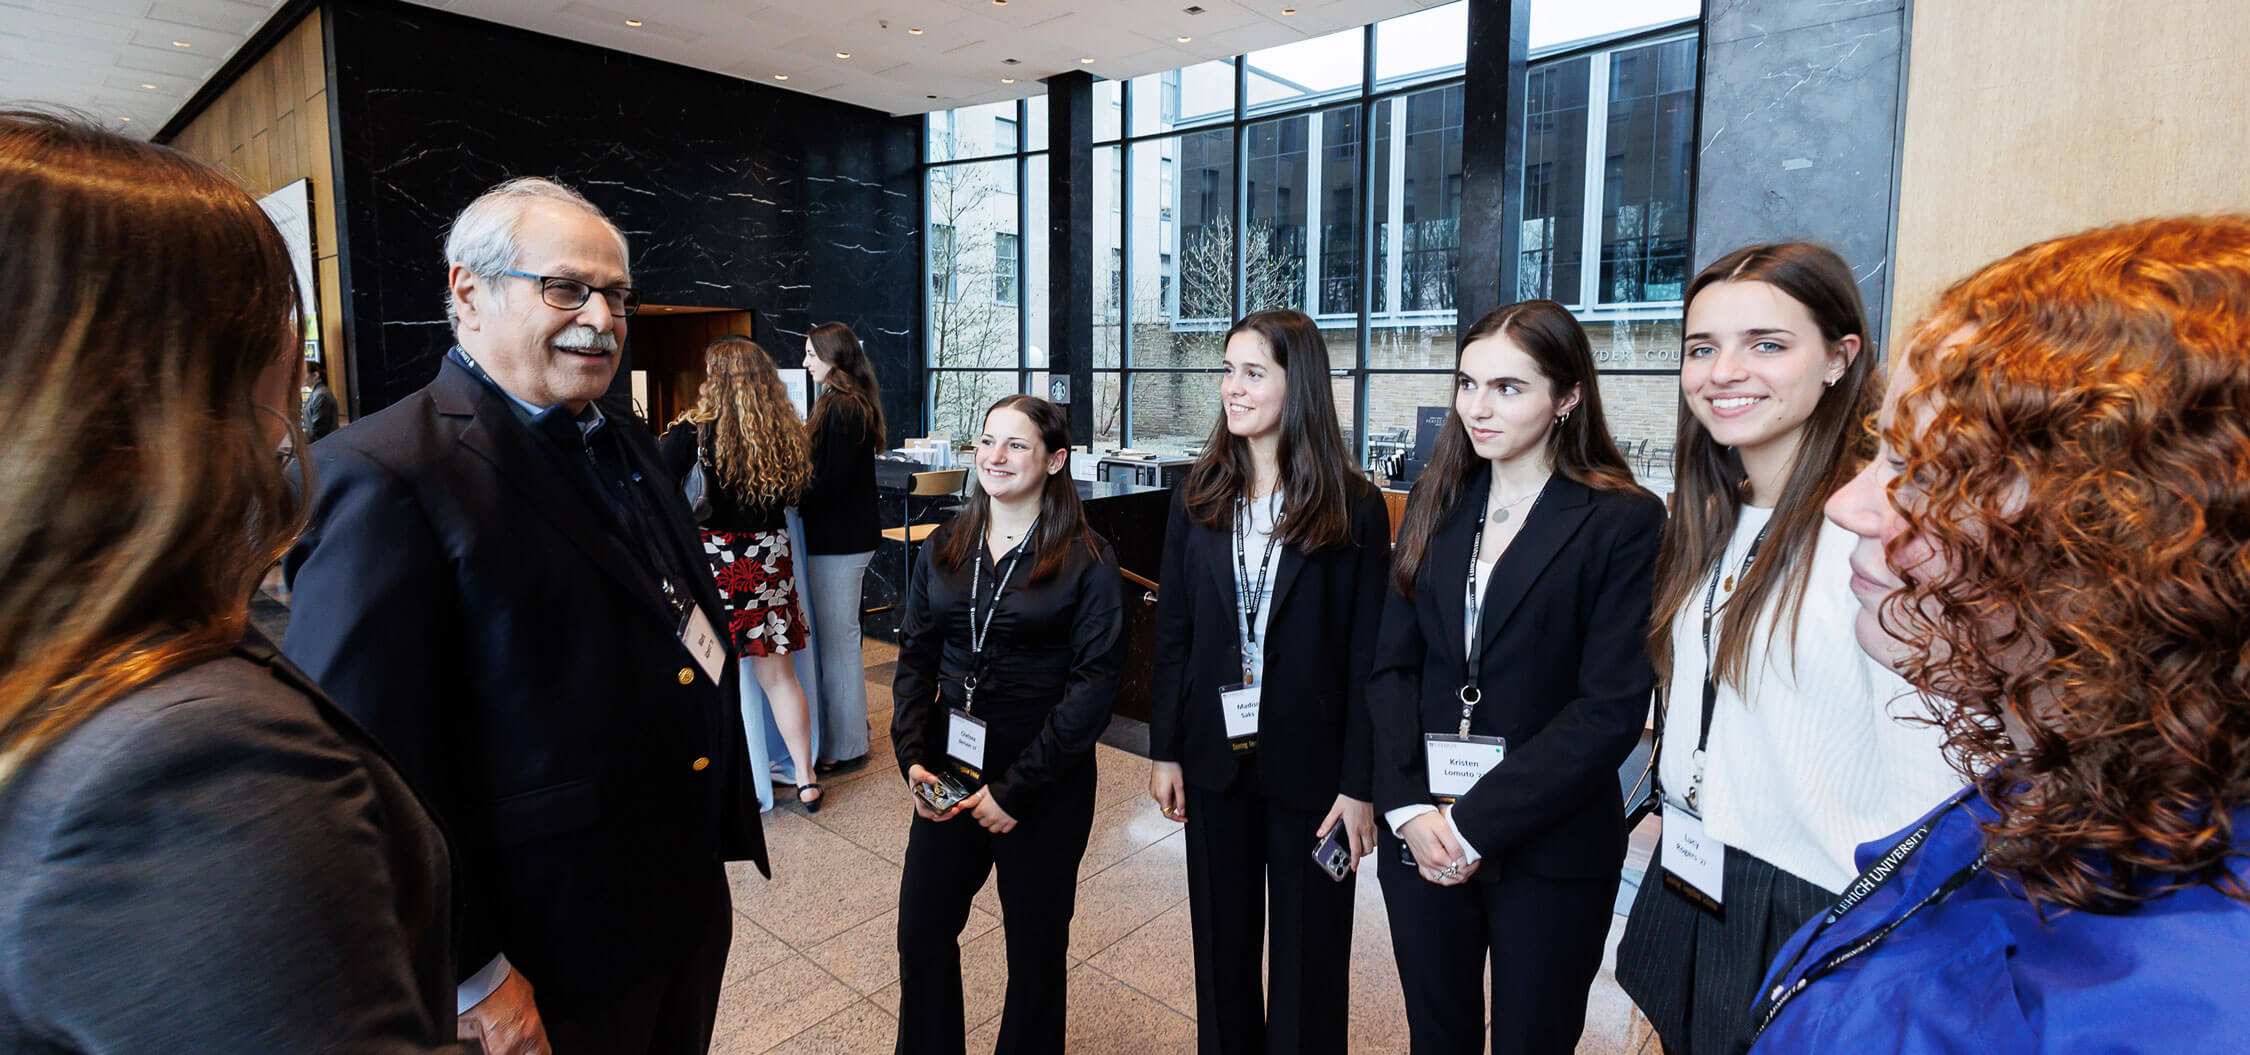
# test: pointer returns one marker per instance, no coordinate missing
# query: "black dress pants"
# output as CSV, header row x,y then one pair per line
x,y
1246,854
667,1015
946,864
1544,937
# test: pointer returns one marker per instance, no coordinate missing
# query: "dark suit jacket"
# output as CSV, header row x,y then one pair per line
x,y
1565,675
219,863
1313,736
463,590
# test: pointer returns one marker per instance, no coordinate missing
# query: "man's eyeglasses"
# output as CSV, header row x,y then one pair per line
x,y
569,294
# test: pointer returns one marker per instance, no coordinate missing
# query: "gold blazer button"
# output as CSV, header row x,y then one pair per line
x,y
701,764
687,675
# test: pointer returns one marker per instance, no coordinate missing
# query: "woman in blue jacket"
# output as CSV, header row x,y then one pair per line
x,y
2057,536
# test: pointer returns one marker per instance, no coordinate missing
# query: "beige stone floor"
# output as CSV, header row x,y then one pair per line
x,y
813,969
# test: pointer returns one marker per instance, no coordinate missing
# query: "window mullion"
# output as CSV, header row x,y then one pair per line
x,y
1597,162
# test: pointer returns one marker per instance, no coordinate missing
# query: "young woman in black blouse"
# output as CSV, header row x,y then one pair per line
x,y
841,530
1509,683
752,448
1273,579
1007,669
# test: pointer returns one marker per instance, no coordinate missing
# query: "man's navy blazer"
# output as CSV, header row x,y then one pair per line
x,y
465,592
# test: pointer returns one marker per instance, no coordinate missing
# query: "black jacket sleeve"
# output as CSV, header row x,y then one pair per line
x,y
1175,636
1394,695
1371,533
1097,656
677,451
1582,746
921,648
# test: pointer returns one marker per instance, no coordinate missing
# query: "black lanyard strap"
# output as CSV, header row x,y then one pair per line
x,y
1869,881
1711,663
1470,694
978,632
1247,601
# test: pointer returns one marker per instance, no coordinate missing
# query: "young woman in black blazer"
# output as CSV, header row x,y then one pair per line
x,y
1500,724
1007,670
1272,578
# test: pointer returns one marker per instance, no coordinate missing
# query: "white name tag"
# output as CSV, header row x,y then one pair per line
x,y
1239,704
1691,855
964,740
704,643
1456,763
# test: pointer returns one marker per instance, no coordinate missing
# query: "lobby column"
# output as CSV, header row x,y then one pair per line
x,y
1070,243
1492,156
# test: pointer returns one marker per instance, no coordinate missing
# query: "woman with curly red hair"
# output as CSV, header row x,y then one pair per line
x,y
2057,537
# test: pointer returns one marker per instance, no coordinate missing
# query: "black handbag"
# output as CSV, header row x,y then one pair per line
x,y
1637,777
697,488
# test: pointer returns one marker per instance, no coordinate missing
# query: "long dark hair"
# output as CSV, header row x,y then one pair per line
x,y
1062,519
851,380
1707,500
1317,479
1580,446
147,296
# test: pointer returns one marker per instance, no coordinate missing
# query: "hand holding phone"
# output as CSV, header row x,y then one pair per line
x,y
1334,853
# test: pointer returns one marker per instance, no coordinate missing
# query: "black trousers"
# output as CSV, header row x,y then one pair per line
x,y
666,1015
1544,938
1246,853
946,864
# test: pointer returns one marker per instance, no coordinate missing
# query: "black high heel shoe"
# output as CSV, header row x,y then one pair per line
x,y
812,805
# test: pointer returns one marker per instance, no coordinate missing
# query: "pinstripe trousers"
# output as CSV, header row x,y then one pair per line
x,y
1696,977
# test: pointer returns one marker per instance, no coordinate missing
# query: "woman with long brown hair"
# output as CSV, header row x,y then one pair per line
x,y
1508,685
198,852
1007,669
1783,747
841,529
2053,537
747,438
1273,571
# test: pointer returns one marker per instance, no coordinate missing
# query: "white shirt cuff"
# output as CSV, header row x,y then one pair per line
x,y
481,984
1397,820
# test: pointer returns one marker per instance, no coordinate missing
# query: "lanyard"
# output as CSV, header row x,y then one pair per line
x,y
1470,695
1248,601
1867,884
1710,665
978,631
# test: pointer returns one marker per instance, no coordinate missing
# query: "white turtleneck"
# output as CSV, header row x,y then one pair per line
x,y
1809,759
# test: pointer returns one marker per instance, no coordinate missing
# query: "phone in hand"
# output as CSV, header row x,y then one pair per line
x,y
943,795
1334,853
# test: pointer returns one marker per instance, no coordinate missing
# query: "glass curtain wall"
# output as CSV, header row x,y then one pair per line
x,y
985,223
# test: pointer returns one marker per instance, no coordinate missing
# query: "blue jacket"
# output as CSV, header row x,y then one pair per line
x,y
1980,972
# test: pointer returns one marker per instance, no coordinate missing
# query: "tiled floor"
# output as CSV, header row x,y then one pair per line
x,y
814,969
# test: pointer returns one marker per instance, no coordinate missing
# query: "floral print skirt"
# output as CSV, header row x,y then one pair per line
x,y
759,585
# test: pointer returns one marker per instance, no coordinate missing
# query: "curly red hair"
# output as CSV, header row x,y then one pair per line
x,y
2082,463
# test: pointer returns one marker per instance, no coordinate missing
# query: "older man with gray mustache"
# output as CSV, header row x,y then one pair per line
x,y
502,583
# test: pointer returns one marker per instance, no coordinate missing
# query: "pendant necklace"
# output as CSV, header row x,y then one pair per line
x,y
1500,515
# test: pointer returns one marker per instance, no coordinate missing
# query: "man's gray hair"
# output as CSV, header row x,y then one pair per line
x,y
483,237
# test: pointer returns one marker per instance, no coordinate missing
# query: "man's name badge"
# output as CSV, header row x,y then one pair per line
x,y
1694,862
704,643
1456,763
964,742
1238,704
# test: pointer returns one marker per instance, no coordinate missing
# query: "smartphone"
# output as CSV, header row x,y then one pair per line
x,y
1333,854
943,795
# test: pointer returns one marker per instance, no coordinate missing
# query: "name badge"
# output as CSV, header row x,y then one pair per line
x,y
704,643
1694,862
1456,763
1239,705
964,741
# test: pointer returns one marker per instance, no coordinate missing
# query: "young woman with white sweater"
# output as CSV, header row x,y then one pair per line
x,y
1784,745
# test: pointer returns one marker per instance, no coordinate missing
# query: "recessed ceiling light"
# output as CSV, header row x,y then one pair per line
x,y
1289,10
999,3
150,87
843,54
781,76
123,118
633,22
914,32
1087,61
1183,40
1007,80
179,43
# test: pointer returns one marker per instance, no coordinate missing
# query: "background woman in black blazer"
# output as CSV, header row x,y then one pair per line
x,y
1527,491
841,530
1016,621
1273,576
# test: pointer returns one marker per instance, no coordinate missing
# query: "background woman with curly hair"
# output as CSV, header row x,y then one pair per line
x,y
2057,536
752,447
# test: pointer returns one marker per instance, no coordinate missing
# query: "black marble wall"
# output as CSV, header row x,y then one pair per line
x,y
733,194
